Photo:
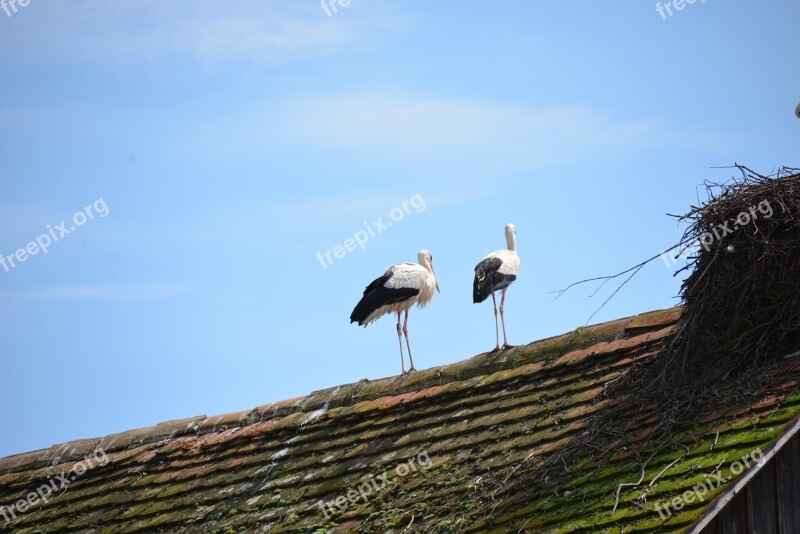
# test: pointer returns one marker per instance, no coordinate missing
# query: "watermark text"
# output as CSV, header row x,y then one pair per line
x,y
371,229
717,233
10,6
329,6
53,234
665,10
374,484
53,486
710,482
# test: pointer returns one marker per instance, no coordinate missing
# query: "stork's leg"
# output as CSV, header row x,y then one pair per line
x,y
400,340
405,331
496,328
506,345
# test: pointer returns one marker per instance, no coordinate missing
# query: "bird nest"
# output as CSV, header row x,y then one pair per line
x,y
742,298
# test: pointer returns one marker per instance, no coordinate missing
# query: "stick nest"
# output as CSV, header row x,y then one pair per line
x,y
742,298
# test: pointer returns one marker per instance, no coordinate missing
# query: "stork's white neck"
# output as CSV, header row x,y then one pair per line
x,y
422,259
511,240
425,263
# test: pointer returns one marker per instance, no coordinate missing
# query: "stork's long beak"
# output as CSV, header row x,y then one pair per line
x,y
434,277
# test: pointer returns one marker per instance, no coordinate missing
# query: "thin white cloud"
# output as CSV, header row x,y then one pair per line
x,y
153,30
460,140
434,124
468,136
95,292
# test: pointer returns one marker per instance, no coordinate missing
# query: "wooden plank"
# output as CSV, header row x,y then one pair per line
x,y
787,486
761,507
712,527
733,518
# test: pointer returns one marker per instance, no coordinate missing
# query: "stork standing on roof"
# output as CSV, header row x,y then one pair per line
x,y
396,291
496,272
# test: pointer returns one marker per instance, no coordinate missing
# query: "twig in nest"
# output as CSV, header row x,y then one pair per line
x,y
610,277
624,484
643,496
633,270
673,462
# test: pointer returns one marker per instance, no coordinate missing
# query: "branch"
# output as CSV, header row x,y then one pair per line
x,y
636,268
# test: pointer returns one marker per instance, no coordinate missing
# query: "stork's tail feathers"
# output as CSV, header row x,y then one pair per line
x,y
481,286
362,310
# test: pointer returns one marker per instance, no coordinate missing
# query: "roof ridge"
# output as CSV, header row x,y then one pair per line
x,y
346,394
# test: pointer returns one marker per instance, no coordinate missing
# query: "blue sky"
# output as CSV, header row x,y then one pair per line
x,y
230,142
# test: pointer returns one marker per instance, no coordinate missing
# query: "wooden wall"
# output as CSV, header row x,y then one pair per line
x,y
770,502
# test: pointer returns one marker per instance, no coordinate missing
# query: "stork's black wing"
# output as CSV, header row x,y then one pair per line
x,y
488,279
377,295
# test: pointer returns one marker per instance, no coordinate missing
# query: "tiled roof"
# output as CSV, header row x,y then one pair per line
x,y
429,452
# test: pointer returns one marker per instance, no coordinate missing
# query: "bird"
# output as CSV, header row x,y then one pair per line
x,y
396,291
496,272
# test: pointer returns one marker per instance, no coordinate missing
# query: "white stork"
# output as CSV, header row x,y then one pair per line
x,y
496,272
396,291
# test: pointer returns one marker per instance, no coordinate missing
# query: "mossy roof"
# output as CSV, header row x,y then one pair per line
x,y
267,469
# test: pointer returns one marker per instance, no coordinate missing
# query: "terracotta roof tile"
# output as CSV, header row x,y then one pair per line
x,y
267,469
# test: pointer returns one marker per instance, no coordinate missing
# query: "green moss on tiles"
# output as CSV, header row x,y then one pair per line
x,y
145,480
321,528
